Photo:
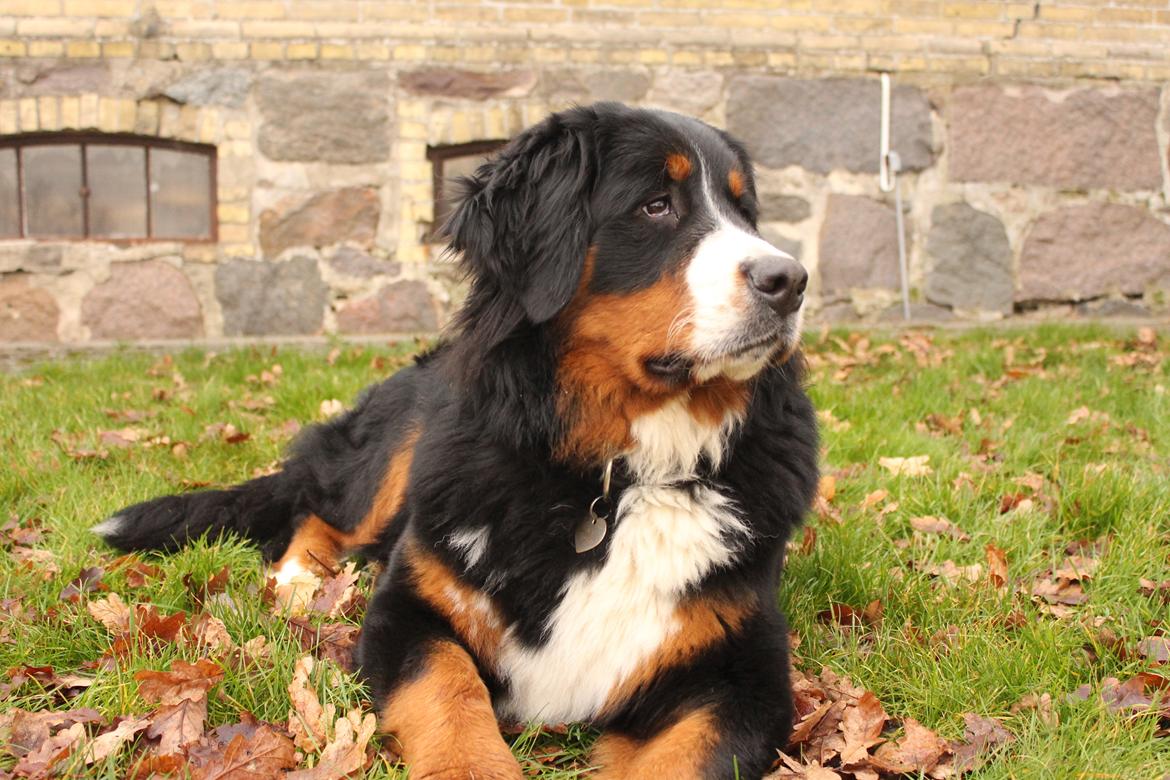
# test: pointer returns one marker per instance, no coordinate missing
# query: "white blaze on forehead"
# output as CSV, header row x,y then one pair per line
x,y
716,284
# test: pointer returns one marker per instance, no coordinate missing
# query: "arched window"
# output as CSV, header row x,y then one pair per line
x,y
76,186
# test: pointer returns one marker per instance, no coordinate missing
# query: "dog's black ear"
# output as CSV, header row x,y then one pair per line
x,y
523,225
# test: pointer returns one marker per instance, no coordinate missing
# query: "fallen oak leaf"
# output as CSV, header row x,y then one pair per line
x,y
263,754
178,725
88,579
105,745
913,466
983,736
938,525
346,752
111,612
307,720
1155,648
185,682
862,727
919,750
997,566
40,762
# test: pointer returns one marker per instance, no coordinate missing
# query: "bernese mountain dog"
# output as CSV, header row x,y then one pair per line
x,y
583,496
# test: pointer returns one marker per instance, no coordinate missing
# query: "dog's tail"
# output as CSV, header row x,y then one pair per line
x,y
261,511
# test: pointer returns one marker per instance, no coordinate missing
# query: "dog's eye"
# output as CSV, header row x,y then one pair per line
x,y
659,207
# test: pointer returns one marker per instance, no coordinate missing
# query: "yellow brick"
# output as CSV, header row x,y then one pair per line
x,y
410,52
238,129
622,56
56,27
1125,15
112,28
30,7
127,111
9,117
12,48
370,50
251,9
301,51
193,52
83,49
28,115
669,19
336,51
972,10
1157,72
49,111
849,24
46,49
234,233
267,50
108,115
238,149
1036,30
330,10
537,15
686,58
797,23
479,54
88,111
229,50
653,56
965,29
100,7
1016,68
146,118
923,27
585,55
168,120
70,112
465,14
1056,13
548,54
118,49
204,28
234,213
719,58
781,59
277,29
242,249
156,50
397,12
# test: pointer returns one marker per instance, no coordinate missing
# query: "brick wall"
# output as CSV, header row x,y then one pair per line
x,y
1035,137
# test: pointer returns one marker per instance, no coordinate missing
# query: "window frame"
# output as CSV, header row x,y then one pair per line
x,y
81,140
438,156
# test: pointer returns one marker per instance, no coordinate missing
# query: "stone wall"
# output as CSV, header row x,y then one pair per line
x,y
1035,138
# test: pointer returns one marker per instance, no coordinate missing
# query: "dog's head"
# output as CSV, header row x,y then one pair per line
x,y
631,235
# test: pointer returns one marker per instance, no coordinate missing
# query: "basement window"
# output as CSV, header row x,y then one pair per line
x,y
68,186
448,163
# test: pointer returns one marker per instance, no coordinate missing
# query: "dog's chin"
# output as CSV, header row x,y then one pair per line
x,y
742,357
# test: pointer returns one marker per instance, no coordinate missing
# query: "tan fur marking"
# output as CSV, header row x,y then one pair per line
x,y
602,377
391,493
701,625
318,546
678,166
711,401
315,545
468,610
736,182
681,752
444,722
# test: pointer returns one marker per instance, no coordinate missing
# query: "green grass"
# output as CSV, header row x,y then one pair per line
x,y
1102,477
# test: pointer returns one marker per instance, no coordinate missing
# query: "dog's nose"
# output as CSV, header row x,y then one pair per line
x,y
778,280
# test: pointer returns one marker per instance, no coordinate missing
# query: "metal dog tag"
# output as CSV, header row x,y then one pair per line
x,y
590,531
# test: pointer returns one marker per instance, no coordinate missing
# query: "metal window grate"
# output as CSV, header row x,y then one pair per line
x,y
78,186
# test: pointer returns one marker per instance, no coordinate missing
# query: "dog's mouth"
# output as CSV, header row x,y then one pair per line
x,y
676,368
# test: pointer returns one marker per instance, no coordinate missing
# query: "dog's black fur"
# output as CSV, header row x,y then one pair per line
x,y
546,224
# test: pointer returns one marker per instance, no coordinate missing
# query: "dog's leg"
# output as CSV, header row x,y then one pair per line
x,y
717,713
425,641
443,720
682,751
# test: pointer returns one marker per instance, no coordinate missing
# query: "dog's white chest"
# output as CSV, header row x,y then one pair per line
x,y
612,619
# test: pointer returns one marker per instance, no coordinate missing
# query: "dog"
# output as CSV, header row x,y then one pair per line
x,y
583,495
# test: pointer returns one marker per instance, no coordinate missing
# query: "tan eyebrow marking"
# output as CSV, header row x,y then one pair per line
x,y
735,182
678,166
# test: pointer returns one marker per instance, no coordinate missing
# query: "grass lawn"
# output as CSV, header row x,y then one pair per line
x,y
1047,449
